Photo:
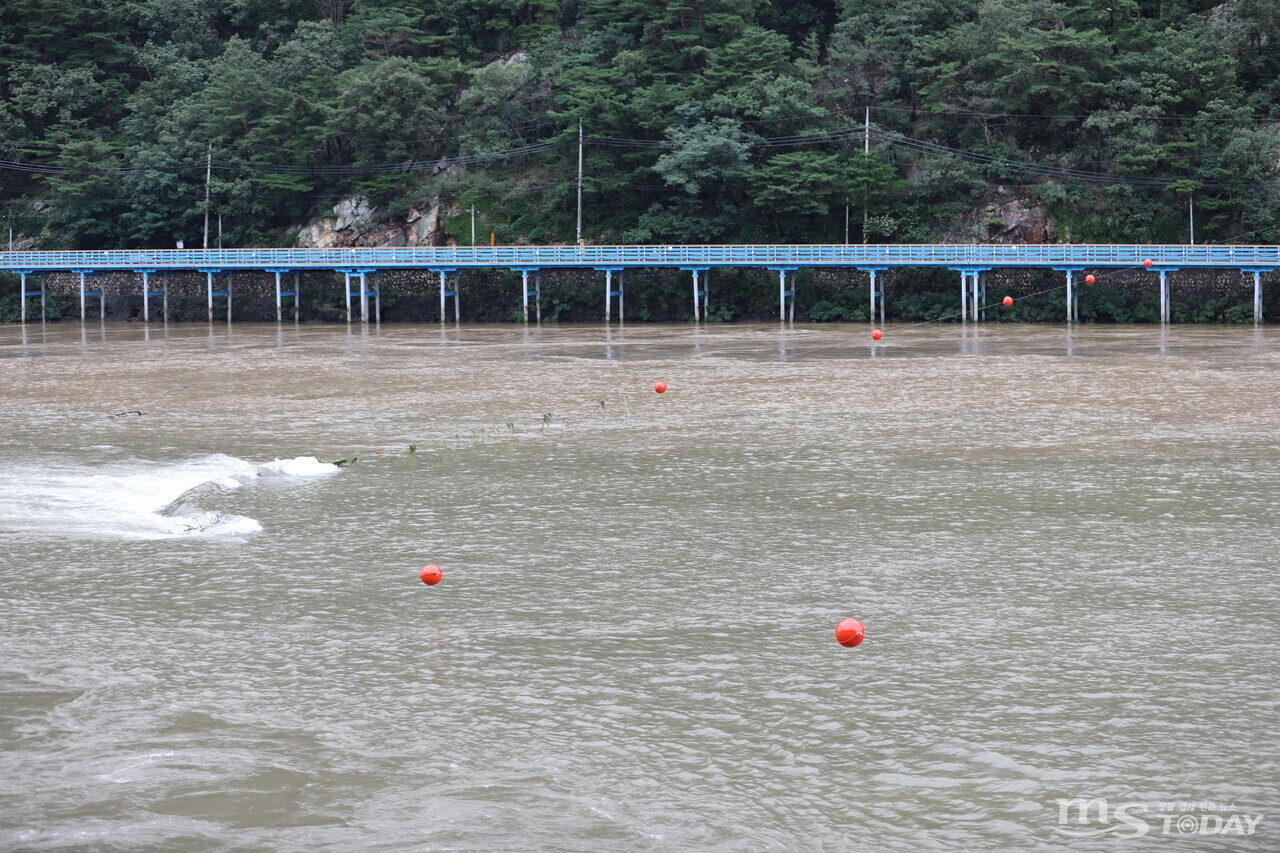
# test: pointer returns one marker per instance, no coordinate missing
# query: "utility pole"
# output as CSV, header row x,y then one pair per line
x,y
866,152
473,224
579,182
1191,214
219,229
846,224
208,174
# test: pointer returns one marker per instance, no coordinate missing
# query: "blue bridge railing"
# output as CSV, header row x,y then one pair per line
x,y
952,256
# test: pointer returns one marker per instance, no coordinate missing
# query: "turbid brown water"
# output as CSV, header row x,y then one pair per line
x,y
1063,545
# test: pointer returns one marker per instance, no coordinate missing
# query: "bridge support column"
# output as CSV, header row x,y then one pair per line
x,y
346,289
1164,298
783,293
697,296
871,274
146,296
279,309
23,293
964,296
1257,296
610,293
875,287
525,293
100,293
364,297
978,293
455,293
1070,294
210,293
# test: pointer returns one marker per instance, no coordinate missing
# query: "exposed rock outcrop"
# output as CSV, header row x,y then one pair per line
x,y
356,223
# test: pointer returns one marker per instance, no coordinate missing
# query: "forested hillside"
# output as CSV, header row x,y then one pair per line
x,y
704,120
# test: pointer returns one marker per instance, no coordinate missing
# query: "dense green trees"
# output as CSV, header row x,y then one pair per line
x,y
707,120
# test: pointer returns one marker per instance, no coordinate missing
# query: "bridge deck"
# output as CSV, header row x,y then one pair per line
x,y
949,256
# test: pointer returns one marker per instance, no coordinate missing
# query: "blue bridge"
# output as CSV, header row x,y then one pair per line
x,y
359,265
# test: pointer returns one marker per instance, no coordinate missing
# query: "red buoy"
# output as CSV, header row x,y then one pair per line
x,y
1147,263
850,632
876,334
660,387
431,574
1008,300
1089,279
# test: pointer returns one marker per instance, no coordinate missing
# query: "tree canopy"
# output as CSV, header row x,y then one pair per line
x,y
704,120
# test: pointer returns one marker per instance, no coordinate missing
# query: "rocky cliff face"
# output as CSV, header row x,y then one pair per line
x,y
356,223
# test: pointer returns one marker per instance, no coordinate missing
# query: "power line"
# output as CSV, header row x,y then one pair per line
x,y
845,134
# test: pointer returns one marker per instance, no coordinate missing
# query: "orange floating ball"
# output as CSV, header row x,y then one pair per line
x,y
1008,300
431,574
1089,279
1147,263
876,334
660,387
850,632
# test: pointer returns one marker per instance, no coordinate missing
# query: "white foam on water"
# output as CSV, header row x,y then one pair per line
x,y
136,500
